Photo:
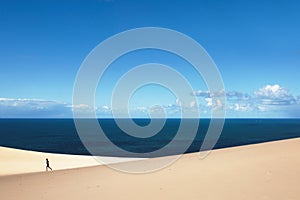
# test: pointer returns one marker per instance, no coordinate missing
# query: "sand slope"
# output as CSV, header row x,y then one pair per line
x,y
16,161
262,171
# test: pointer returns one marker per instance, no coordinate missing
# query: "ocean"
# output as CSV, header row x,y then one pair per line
x,y
60,135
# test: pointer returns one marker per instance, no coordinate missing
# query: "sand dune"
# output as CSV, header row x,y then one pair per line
x,y
16,161
261,171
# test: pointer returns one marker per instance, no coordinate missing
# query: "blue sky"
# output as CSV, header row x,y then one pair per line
x,y
255,45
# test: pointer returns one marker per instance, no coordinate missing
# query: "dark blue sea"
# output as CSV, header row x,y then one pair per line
x,y
60,135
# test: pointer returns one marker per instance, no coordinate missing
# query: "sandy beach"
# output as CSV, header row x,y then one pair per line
x,y
261,171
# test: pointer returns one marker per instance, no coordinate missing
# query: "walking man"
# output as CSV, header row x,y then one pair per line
x,y
48,165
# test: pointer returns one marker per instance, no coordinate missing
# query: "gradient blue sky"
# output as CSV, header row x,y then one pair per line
x,y
255,45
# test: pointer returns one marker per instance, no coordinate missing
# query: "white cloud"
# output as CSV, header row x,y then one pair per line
x,y
178,102
242,107
209,101
193,104
272,91
268,100
105,107
222,93
201,93
275,101
206,94
237,95
83,110
215,103
10,108
275,95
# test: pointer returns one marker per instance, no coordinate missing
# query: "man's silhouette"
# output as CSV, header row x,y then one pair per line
x,y
48,165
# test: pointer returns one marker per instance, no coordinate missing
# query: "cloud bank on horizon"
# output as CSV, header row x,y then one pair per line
x,y
270,101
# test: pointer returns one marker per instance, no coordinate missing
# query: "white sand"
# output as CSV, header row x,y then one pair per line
x,y
15,161
261,171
